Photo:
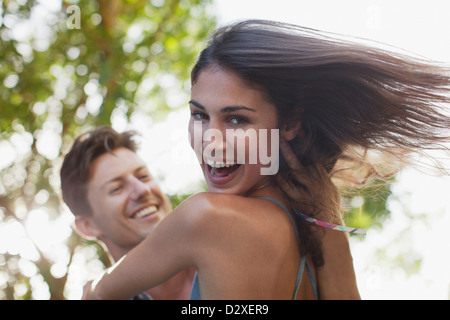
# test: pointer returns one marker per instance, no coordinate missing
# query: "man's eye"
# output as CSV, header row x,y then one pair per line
x,y
115,190
144,177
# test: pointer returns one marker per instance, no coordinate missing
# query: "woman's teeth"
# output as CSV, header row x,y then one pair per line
x,y
146,212
219,164
221,169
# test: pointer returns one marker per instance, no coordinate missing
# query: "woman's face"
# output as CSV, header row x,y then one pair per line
x,y
223,105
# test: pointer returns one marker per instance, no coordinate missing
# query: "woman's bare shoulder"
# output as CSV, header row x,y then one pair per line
x,y
212,214
207,204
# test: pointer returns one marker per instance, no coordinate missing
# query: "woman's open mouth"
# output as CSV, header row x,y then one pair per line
x,y
222,169
221,173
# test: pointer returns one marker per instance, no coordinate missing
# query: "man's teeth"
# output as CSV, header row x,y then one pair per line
x,y
146,212
219,164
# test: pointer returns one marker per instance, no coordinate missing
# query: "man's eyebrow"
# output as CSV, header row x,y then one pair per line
x,y
143,167
110,181
224,109
118,178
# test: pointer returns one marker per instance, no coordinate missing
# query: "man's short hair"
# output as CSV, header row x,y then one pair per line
x,y
75,170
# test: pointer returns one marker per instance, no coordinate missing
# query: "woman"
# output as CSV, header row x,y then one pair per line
x,y
326,99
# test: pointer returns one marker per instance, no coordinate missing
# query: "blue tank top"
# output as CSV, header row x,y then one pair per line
x,y
195,292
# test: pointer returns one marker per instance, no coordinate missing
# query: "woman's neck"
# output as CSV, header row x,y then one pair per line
x,y
267,188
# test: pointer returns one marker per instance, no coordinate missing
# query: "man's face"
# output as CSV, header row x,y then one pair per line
x,y
126,201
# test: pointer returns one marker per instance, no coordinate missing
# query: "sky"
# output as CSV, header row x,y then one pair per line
x,y
387,260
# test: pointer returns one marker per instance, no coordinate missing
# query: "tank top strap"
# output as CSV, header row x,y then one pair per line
x,y
303,262
195,290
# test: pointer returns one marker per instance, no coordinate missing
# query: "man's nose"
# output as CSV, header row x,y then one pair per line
x,y
139,189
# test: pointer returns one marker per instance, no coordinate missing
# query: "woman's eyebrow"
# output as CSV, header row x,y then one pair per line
x,y
235,108
198,105
224,109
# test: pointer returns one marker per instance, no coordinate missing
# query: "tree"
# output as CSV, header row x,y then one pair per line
x,y
65,68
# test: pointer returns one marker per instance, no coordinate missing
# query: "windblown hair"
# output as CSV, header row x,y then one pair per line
x,y
348,96
76,167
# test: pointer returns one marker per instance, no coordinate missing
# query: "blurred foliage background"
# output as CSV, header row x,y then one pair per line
x,y
66,66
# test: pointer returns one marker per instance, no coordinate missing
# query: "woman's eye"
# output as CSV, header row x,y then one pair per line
x,y
238,120
199,115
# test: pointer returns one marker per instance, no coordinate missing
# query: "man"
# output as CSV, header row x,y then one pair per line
x,y
115,199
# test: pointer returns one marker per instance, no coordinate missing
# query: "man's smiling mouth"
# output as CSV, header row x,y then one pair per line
x,y
145,212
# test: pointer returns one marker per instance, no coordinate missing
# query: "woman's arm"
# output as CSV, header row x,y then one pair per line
x,y
171,247
336,278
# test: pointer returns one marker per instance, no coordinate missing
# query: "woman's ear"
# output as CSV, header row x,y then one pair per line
x,y
291,130
87,227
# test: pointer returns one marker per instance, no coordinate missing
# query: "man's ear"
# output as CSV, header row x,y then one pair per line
x,y
87,227
291,130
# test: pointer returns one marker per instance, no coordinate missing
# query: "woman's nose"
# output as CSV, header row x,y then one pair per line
x,y
214,136
214,143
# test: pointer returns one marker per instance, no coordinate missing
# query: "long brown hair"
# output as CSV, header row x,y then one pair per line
x,y
348,96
